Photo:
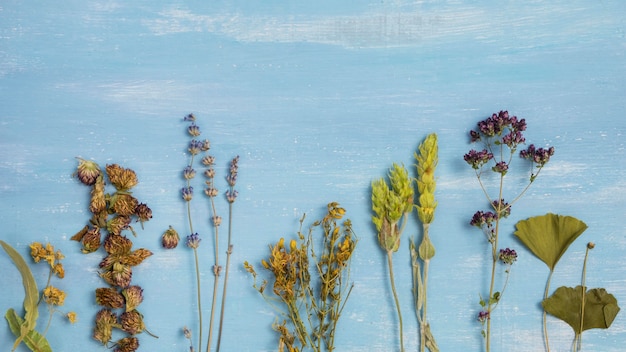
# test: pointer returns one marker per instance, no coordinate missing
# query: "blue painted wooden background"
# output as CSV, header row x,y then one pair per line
x,y
318,99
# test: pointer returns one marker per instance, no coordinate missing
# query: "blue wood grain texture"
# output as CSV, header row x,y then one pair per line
x,y
318,99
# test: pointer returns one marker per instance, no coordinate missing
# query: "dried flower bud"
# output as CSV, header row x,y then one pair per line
x,y
231,196
187,193
508,256
98,201
71,316
208,160
109,297
132,322
189,117
170,238
117,224
189,172
193,130
143,213
91,241
58,270
187,332
193,240
53,296
217,220
105,320
127,344
118,245
136,257
133,296
211,191
119,275
87,171
123,179
206,145
591,245
124,204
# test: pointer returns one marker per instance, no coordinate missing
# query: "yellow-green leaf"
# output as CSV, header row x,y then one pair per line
x,y
34,340
548,236
31,293
600,307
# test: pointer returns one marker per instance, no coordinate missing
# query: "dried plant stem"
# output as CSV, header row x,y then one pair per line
x,y
216,273
228,253
545,315
395,298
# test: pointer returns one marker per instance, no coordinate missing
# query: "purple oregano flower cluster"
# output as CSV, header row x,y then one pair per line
x,y
501,135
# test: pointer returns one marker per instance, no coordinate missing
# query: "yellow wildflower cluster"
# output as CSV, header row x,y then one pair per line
x,y
38,252
311,284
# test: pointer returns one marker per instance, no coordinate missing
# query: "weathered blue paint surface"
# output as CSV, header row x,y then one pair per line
x,y
318,100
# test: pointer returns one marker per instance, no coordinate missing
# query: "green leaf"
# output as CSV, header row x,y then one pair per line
x,y
600,307
31,293
34,340
548,236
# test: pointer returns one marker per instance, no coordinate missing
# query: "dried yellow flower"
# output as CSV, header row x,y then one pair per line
x,y
53,296
71,316
58,270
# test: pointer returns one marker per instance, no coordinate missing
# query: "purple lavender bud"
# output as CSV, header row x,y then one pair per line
x,y
231,196
193,130
206,145
187,193
189,172
208,160
193,240
209,173
190,117
195,147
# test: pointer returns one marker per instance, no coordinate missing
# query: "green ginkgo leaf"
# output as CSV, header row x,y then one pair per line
x,y
600,307
548,236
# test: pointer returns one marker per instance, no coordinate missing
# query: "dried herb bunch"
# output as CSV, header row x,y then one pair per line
x,y
24,327
501,135
198,154
112,214
310,286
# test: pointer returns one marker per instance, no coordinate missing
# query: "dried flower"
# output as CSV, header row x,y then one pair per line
x,y
124,204
71,316
231,196
136,257
127,344
483,316
211,192
193,130
98,201
217,220
208,160
118,275
123,179
53,296
507,256
132,322
193,240
105,321
117,224
170,238
478,158
189,173
133,296
195,147
87,171
187,193
143,213
189,117
232,175
109,297
91,240
58,270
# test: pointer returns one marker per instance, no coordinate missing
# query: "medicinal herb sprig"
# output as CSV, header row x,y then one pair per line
x,y
422,253
112,214
392,203
24,327
309,279
197,151
500,135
